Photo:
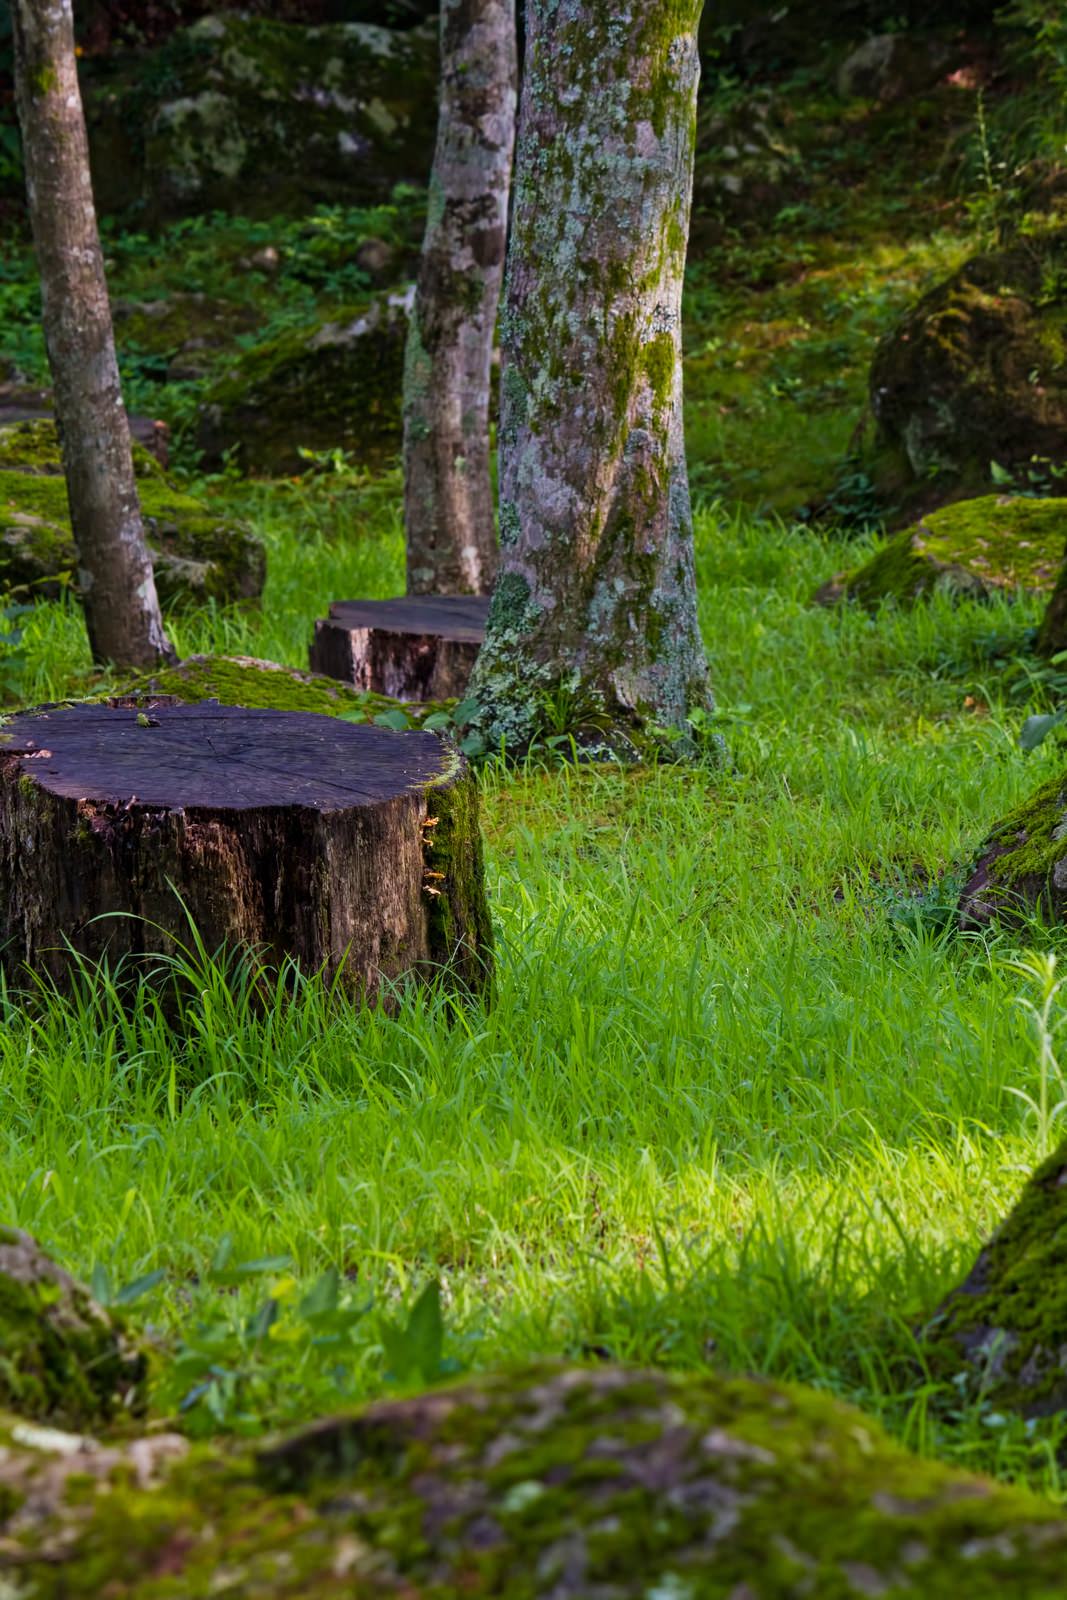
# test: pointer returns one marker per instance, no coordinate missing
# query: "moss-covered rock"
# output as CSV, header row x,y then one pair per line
x,y
62,1356
572,1483
197,554
238,113
973,549
1003,1332
1022,866
336,382
976,374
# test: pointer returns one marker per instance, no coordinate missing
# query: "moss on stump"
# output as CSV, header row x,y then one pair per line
x,y
1005,1328
269,686
197,555
335,383
569,1483
62,1357
1022,866
972,549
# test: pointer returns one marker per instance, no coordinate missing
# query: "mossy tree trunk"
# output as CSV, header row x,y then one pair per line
x,y
596,595
115,572
448,499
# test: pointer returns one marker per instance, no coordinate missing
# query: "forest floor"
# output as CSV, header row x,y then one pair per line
x,y
745,1099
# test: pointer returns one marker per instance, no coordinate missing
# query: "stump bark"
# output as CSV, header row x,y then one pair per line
x,y
422,647
350,848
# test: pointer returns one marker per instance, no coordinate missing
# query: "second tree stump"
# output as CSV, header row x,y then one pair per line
x,y
350,848
422,647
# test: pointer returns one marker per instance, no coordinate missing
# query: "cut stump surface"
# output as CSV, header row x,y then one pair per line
x,y
350,848
422,647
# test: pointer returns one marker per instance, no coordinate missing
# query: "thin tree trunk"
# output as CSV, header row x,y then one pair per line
x,y
596,594
115,573
448,498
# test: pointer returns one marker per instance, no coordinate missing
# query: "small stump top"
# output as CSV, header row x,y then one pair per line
x,y
347,847
422,647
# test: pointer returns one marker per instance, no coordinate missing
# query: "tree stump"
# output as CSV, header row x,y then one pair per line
x,y
350,848
422,647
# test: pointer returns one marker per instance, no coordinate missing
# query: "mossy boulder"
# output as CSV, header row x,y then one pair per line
x,y
1022,866
336,382
62,1357
1003,1332
973,549
238,113
973,380
197,554
574,1483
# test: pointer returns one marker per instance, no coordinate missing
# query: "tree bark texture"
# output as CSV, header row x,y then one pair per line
x,y
448,497
596,589
350,848
115,573
421,648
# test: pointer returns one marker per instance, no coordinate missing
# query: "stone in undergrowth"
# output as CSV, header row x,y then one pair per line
x,y
336,383
973,549
569,1483
1022,866
240,113
974,378
1003,1333
197,555
62,1356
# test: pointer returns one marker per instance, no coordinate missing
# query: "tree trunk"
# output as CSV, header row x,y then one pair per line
x,y
596,595
350,848
115,573
423,648
448,498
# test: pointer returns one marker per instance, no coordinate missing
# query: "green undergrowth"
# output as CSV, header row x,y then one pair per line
x,y
742,1101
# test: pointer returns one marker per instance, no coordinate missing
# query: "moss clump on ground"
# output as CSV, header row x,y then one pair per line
x,y
335,383
62,1357
972,549
269,686
546,1481
1022,866
1005,1328
196,554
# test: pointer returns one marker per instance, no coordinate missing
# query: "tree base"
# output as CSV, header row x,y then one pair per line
x,y
351,849
422,647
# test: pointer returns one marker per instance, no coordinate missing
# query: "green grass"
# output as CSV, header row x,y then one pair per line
x,y
739,1101
744,1100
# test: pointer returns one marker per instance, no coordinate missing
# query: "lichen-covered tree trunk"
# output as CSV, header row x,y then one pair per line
x,y
448,498
115,572
596,594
